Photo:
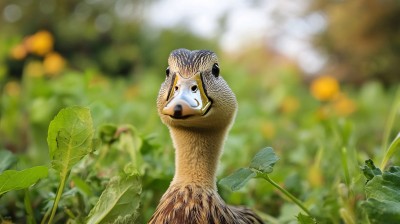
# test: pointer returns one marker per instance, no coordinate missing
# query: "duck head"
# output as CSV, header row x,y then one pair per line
x,y
194,95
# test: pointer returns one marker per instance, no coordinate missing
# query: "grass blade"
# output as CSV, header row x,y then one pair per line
x,y
388,128
391,150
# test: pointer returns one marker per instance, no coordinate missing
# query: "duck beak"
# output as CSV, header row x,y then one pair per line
x,y
187,97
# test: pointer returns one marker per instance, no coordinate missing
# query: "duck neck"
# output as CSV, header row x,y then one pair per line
x,y
196,156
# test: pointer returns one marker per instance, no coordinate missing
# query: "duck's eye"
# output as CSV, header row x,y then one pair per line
x,y
215,70
167,72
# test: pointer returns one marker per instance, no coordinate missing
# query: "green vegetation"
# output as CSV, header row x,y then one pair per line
x,y
321,148
81,141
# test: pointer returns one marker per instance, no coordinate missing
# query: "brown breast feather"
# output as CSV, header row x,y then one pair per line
x,y
195,205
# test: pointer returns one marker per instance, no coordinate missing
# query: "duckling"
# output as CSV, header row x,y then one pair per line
x,y
198,107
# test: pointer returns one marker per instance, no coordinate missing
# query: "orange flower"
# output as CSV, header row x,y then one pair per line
x,y
12,88
268,130
40,43
34,69
289,105
18,52
344,106
53,63
325,88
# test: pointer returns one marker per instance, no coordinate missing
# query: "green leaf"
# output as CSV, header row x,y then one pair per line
x,y
107,133
370,170
238,179
119,202
264,160
130,140
7,159
383,197
305,219
82,186
16,180
70,138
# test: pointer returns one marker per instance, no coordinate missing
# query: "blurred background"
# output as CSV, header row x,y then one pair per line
x,y
311,77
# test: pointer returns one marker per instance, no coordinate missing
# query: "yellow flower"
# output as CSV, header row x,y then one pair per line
x,y
34,69
5,221
325,88
268,130
40,43
53,63
289,105
344,106
18,52
12,88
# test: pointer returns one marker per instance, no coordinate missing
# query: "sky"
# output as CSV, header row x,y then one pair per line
x,y
283,25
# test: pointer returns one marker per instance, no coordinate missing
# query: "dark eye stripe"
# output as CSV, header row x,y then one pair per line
x,y
170,86
204,84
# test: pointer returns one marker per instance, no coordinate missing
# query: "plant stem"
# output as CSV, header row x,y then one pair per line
x,y
46,215
28,208
58,197
345,166
287,193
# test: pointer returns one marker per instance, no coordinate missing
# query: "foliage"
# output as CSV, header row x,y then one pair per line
x,y
16,180
70,138
322,132
383,194
261,165
319,147
119,202
362,48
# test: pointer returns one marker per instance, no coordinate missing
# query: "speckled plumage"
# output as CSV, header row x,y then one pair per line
x,y
192,197
189,62
195,204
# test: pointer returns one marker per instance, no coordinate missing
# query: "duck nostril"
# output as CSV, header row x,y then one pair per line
x,y
178,110
176,88
194,88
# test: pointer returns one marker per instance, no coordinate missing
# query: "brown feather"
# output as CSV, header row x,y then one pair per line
x,y
196,205
192,197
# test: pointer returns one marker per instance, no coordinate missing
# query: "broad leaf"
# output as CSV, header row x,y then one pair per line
x,y
370,170
131,142
70,138
7,159
383,197
238,179
264,160
16,180
119,202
